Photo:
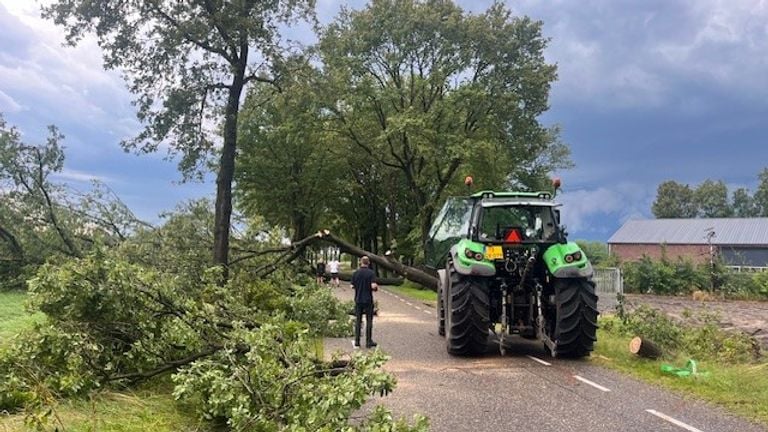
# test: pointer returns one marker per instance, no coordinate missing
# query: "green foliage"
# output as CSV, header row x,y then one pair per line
x,y
741,388
119,315
712,199
407,98
744,204
13,315
700,338
42,220
286,389
674,200
287,154
682,277
761,194
761,283
596,251
664,276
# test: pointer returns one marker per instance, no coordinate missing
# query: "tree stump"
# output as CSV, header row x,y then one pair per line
x,y
644,348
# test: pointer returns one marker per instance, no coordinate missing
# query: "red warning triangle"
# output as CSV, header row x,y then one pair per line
x,y
513,236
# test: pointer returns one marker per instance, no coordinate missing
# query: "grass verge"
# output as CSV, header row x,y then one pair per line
x,y
739,388
415,292
13,317
151,408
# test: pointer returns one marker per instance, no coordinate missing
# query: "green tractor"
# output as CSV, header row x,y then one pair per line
x,y
505,268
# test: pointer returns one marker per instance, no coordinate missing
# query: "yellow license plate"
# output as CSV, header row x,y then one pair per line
x,y
494,253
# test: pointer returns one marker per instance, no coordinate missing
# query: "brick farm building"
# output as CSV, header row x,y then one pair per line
x,y
740,242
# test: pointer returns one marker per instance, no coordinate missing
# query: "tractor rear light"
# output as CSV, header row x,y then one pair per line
x,y
577,256
469,254
479,256
568,258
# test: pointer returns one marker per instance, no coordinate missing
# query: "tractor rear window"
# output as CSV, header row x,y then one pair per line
x,y
528,223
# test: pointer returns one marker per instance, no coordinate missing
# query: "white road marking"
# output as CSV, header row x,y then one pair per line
x,y
673,421
409,303
427,312
538,360
593,384
417,308
401,299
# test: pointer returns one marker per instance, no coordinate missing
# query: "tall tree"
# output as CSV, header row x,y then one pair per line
x,y
761,194
287,172
674,200
711,198
743,203
428,92
188,64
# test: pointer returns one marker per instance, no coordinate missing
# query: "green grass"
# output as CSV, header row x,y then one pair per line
x,y
739,388
149,409
415,292
13,317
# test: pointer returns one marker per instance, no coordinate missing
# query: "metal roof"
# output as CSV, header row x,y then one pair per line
x,y
728,231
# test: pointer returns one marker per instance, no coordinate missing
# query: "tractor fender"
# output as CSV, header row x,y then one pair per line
x,y
467,267
559,267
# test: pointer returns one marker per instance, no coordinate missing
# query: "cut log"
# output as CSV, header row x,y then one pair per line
x,y
644,348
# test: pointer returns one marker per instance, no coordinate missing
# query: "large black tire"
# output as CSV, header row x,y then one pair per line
x,y
467,315
440,310
576,327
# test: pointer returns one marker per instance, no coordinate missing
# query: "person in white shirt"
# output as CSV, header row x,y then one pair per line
x,y
333,267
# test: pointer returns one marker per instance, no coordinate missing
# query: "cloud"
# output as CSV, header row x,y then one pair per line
x,y
81,176
7,104
622,54
585,211
56,84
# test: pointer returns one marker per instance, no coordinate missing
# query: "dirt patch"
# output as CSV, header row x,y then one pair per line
x,y
748,316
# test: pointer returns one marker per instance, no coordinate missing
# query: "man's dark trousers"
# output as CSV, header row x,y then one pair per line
x,y
367,309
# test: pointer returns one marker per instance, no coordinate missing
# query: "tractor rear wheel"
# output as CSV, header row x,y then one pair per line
x,y
467,315
440,305
576,327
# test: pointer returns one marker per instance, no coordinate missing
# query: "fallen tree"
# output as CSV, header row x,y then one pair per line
x,y
296,250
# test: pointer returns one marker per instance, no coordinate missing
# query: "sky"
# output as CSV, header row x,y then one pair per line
x,y
648,91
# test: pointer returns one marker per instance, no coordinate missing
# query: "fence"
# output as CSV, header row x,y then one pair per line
x,y
609,285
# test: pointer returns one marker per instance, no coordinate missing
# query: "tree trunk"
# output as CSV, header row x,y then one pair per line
x,y
410,273
644,348
226,174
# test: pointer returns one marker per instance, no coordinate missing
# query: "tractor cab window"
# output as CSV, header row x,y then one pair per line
x,y
451,224
516,224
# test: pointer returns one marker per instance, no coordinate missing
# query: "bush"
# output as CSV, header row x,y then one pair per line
x,y
663,276
761,283
701,338
245,352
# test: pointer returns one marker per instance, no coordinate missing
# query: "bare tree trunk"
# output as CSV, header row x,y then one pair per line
x,y
226,174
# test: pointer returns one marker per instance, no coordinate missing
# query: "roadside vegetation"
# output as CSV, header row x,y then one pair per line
x,y
13,316
732,368
682,277
415,291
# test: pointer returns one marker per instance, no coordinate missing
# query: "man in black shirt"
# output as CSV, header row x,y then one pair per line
x,y
363,284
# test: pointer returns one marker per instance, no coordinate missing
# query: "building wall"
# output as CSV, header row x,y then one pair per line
x,y
633,252
745,256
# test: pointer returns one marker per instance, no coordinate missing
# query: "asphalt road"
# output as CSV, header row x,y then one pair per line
x,y
516,392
